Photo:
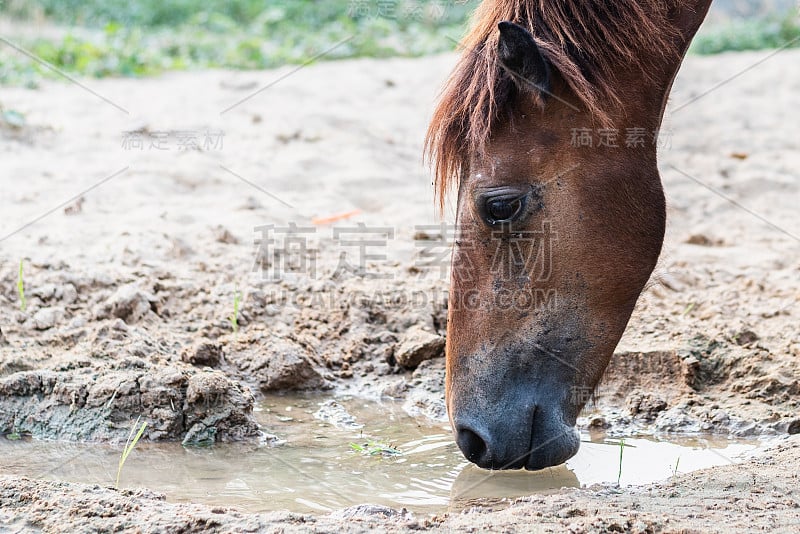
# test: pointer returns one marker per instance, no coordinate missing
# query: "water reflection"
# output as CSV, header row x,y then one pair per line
x,y
478,487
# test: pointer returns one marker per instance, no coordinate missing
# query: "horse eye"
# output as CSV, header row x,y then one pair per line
x,y
503,209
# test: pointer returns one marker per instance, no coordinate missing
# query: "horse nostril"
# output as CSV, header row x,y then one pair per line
x,y
472,445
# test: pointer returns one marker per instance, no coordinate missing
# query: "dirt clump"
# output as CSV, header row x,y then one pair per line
x,y
416,346
203,353
645,405
86,406
129,303
279,365
217,409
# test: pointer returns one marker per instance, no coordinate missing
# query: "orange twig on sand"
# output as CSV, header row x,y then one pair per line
x,y
334,218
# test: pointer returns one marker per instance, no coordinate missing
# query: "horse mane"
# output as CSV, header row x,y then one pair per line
x,y
584,40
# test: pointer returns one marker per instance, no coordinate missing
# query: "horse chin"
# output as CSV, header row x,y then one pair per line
x,y
561,448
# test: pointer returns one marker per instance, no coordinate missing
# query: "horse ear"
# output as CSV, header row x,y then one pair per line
x,y
520,54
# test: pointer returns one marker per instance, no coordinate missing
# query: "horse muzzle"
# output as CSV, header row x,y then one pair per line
x,y
535,439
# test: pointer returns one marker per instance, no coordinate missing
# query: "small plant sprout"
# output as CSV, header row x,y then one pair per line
x,y
677,463
21,289
129,445
234,318
375,448
621,450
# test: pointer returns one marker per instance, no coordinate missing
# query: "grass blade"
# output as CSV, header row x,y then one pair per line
x,y
21,289
129,445
234,318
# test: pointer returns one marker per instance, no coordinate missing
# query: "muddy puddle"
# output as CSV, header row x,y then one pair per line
x,y
337,453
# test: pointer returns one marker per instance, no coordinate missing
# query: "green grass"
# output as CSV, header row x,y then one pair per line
x,y
129,445
136,38
23,304
375,448
145,37
621,450
234,317
773,31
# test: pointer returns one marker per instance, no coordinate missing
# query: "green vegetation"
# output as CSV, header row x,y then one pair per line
x,y
21,289
775,31
621,450
141,37
129,445
11,118
234,318
375,448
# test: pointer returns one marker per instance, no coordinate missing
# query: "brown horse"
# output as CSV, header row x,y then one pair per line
x,y
546,128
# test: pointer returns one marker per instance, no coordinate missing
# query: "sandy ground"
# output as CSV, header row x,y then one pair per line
x,y
133,254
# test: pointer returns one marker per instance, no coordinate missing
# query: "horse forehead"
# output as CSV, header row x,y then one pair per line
x,y
506,167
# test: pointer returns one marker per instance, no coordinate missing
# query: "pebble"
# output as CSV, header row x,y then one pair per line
x,y
47,318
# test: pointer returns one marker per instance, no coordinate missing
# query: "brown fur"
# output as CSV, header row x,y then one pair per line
x,y
584,40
